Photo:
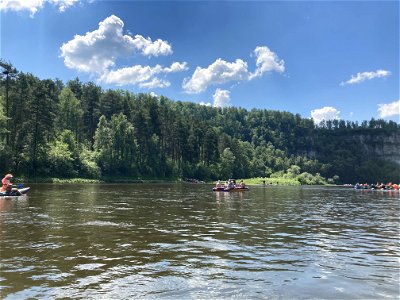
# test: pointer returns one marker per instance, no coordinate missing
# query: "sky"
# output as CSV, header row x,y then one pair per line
x,y
320,59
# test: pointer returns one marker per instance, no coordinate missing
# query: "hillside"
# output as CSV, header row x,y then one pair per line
x,y
79,130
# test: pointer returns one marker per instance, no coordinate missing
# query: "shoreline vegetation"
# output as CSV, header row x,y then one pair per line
x,y
248,181
51,131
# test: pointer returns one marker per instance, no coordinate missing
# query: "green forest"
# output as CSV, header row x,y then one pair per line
x,y
49,128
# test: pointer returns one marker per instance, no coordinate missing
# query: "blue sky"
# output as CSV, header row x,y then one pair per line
x,y
320,59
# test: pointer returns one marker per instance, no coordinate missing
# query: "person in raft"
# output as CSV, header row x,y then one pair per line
x,y
242,185
231,185
10,191
218,184
6,181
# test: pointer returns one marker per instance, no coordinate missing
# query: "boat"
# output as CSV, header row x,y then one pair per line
x,y
235,189
23,192
391,187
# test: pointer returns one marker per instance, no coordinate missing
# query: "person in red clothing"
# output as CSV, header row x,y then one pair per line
x,y
6,182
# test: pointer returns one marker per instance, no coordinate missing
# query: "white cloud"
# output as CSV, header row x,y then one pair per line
x,y
155,83
217,73
177,67
266,61
22,5
63,4
205,104
144,76
97,51
325,113
33,6
389,109
221,98
149,48
360,77
221,71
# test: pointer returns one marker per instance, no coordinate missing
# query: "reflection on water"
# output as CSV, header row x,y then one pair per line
x,y
184,241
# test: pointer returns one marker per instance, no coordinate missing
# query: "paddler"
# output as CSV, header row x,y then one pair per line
x,y
10,191
6,181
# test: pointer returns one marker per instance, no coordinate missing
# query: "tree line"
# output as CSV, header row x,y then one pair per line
x,y
53,129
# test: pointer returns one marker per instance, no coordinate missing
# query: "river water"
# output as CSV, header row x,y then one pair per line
x,y
182,241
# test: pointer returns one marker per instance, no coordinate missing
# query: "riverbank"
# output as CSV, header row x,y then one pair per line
x,y
248,181
270,181
86,180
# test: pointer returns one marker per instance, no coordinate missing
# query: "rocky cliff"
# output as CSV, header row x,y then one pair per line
x,y
383,146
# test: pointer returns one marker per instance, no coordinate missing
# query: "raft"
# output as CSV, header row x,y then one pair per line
x,y
23,191
222,189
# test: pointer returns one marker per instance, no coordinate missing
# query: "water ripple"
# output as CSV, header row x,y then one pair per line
x,y
182,241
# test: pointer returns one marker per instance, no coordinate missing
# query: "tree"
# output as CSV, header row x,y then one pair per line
x,y
123,144
70,113
115,145
60,159
111,102
103,144
8,72
227,164
91,113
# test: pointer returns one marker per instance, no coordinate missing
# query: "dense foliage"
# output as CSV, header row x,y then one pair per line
x,y
79,130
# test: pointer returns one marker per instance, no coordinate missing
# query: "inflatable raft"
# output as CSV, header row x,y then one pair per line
x,y
236,189
23,192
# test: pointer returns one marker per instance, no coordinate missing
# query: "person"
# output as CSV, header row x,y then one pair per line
x,y
10,191
5,182
218,184
242,185
231,184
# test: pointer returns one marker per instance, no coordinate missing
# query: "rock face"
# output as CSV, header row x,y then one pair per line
x,y
381,146
386,147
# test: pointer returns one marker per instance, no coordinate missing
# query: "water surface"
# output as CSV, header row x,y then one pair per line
x,y
174,241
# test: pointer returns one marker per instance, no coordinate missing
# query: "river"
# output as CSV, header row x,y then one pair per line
x,y
183,241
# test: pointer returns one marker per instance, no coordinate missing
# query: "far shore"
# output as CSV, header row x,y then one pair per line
x,y
248,181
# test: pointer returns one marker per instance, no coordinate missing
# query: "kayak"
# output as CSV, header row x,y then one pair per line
x,y
23,192
222,189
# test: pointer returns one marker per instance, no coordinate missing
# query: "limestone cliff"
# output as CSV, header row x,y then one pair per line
x,y
382,146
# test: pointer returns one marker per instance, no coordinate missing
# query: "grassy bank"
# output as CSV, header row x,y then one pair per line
x,y
249,181
271,181
85,180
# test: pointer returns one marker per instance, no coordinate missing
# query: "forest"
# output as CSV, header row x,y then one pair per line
x,y
76,129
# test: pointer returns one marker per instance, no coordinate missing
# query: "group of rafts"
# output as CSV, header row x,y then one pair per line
x,y
378,186
230,186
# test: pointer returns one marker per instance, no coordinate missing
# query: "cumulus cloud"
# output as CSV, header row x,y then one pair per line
x,y
266,61
221,71
97,51
155,83
144,76
360,77
217,73
153,94
33,6
221,98
389,109
325,113
63,4
149,48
